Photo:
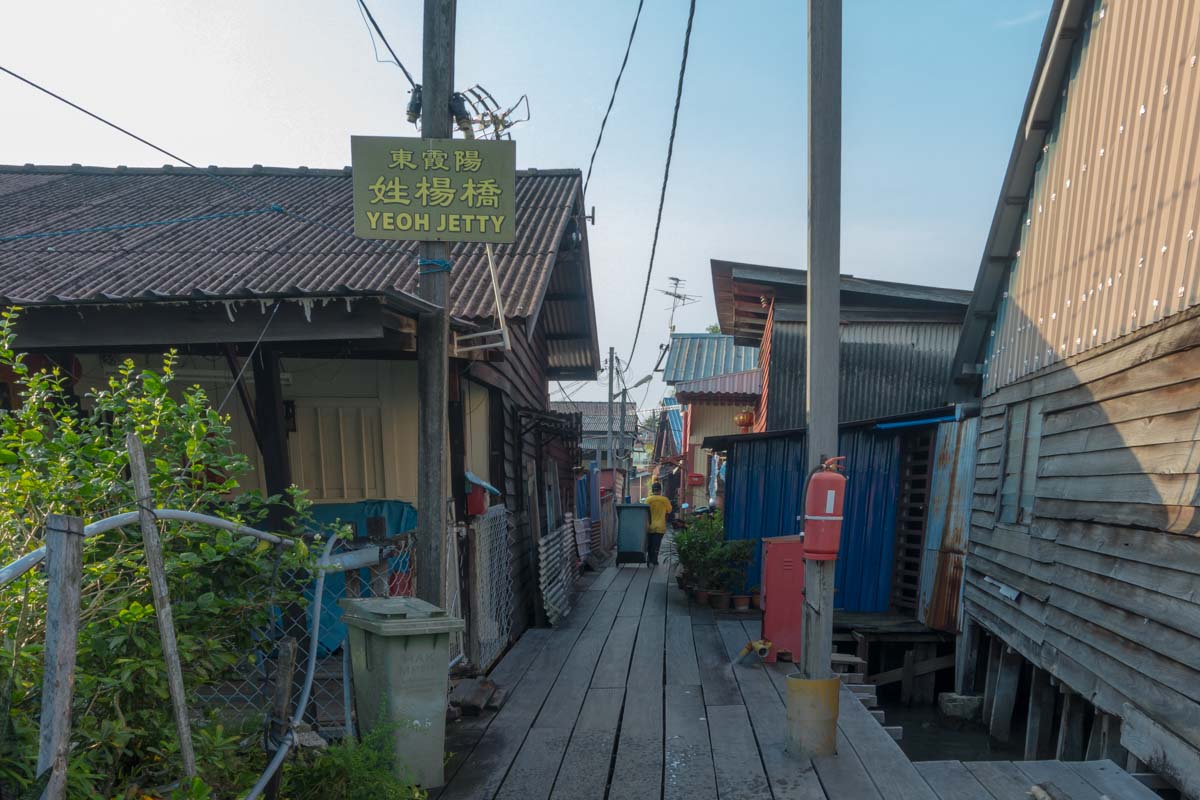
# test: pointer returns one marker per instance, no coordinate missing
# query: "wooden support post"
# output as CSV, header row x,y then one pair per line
x,y
433,327
925,683
64,572
281,706
1070,728
1104,740
966,651
824,299
907,678
1004,699
993,669
1039,722
162,600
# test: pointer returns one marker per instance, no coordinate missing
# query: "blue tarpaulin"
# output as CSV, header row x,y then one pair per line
x,y
394,517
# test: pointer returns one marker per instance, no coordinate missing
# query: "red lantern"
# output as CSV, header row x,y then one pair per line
x,y
744,420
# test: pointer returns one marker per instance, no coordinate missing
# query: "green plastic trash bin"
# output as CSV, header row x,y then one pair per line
x,y
399,655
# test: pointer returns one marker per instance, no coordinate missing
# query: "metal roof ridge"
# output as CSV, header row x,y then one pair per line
x,y
257,169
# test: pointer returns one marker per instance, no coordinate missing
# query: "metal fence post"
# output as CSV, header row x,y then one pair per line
x,y
64,573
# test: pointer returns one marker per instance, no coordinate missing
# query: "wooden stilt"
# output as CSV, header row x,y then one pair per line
x,y
966,651
1039,723
993,667
1004,698
1070,729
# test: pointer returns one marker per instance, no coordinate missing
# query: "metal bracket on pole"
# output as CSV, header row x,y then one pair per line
x,y
504,343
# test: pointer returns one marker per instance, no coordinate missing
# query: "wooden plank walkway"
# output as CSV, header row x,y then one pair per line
x,y
636,695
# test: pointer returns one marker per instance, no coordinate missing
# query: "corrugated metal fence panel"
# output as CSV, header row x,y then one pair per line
x,y
1107,244
764,493
947,525
864,565
886,368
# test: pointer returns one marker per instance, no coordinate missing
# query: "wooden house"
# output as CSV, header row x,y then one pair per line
x,y
225,264
1082,343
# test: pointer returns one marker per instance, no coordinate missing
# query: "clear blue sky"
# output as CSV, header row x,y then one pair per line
x,y
932,93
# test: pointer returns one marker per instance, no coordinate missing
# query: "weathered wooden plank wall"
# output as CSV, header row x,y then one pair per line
x,y
1098,581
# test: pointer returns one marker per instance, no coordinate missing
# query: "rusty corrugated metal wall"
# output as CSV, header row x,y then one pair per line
x,y
1108,242
947,524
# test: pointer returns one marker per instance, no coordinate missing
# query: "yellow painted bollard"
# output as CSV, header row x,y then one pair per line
x,y
812,713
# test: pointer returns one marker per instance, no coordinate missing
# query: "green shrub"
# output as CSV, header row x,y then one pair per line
x,y
350,771
60,454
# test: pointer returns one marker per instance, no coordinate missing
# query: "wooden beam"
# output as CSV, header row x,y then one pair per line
x,y
1004,699
919,668
64,573
1070,729
1039,722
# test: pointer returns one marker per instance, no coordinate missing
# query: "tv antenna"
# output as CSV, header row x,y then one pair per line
x,y
679,298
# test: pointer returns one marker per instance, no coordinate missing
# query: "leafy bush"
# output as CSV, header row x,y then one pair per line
x,y
61,454
698,546
350,771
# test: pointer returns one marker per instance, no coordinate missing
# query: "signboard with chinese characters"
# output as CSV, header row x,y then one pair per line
x,y
440,190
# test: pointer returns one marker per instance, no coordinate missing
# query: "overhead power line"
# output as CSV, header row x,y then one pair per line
x,y
662,196
613,98
371,18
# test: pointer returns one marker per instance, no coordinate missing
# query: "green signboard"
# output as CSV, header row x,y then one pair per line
x,y
439,190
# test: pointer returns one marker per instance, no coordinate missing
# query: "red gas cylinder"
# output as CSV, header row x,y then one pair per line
x,y
823,512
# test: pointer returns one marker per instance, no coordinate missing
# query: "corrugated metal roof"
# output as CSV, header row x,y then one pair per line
x,y
743,295
730,386
261,255
701,355
886,368
595,415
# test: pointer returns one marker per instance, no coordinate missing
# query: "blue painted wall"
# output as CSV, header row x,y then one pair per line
x,y
764,493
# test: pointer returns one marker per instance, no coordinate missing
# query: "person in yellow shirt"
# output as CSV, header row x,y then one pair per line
x,y
659,508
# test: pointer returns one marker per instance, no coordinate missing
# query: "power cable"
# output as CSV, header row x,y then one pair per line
x,y
687,39
612,99
363,5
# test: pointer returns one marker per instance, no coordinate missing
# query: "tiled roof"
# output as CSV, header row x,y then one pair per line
x,y
701,355
731,385
263,254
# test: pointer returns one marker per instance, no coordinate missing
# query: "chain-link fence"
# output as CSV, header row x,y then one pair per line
x,y
491,602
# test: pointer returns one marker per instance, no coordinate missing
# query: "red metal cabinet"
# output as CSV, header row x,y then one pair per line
x,y
783,596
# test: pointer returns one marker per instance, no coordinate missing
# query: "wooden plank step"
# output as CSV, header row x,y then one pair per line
x,y
879,714
894,731
852,677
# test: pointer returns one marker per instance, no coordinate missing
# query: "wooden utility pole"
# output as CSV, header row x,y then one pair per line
x,y
433,328
823,309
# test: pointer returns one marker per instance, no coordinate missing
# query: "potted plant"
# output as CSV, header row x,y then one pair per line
x,y
738,554
756,597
